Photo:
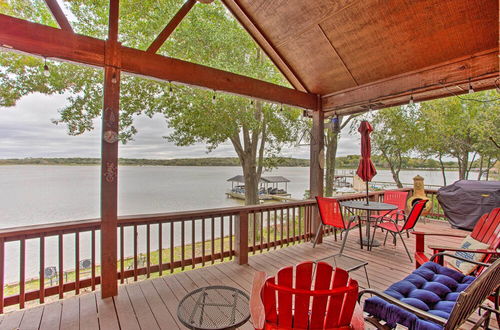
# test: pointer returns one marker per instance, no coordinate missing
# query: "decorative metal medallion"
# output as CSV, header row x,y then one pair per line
x,y
110,173
110,136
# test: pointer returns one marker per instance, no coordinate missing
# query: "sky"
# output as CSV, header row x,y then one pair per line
x,y
26,130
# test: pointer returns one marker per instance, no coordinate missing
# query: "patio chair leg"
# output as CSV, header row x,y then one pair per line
x,y
386,233
361,238
335,233
320,227
404,244
344,241
367,279
373,238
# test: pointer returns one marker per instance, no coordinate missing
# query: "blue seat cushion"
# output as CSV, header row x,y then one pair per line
x,y
431,287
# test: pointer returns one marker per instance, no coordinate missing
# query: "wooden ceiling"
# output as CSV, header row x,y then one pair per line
x,y
327,47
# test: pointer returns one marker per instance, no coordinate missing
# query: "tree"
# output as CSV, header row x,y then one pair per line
x,y
332,135
393,136
461,127
208,35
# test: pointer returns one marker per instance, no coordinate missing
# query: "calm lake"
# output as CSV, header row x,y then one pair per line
x,y
41,194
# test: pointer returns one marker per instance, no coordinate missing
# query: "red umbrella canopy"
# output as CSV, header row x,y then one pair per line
x,y
366,170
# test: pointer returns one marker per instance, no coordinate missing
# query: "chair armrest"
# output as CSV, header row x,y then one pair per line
x,y
420,313
442,254
421,233
447,248
257,311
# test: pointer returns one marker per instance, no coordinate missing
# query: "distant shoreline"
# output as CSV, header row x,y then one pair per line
x,y
349,162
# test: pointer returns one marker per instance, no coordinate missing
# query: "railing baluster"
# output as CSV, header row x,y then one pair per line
x,y
287,226
254,230
61,267
202,241
282,219
212,224
275,227
41,280
301,210
148,249
221,238
92,246
122,256
77,262
135,252
261,230
160,249
22,272
293,224
231,237
193,239
2,269
183,244
172,247
268,230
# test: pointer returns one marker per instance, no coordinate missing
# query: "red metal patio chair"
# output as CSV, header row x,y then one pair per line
x,y
394,197
392,227
308,296
331,215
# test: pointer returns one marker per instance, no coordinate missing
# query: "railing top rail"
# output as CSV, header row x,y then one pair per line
x,y
49,229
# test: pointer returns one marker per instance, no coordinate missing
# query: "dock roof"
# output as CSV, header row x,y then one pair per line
x,y
265,179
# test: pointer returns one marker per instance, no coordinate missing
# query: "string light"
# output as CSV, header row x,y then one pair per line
x,y
281,109
214,98
471,90
113,79
171,90
46,71
411,100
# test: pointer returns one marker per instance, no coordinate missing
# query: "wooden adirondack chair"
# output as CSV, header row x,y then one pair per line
x,y
486,230
280,302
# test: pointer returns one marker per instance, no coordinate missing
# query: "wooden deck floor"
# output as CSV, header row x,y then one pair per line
x,y
152,304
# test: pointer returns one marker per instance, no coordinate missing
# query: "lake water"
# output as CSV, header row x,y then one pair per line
x,y
41,194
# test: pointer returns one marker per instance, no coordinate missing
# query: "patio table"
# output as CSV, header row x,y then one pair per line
x,y
214,307
372,206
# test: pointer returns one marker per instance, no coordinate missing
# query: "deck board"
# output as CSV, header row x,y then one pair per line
x,y
152,304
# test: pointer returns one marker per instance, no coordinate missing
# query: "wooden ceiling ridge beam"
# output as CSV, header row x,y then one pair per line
x,y
45,41
263,41
171,26
481,66
58,15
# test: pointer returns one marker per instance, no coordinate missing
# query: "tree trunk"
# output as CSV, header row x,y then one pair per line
x,y
331,155
463,163
394,168
442,168
480,169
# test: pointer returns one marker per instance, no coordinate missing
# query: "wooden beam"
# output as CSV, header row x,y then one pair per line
x,y
46,41
174,22
59,16
109,157
317,161
425,84
262,40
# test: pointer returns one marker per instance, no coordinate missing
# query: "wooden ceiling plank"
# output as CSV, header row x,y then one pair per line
x,y
263,41
338,55
45,41
58,14
171,26
383,93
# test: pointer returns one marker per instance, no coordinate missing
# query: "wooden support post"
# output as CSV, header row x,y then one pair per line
x,y
109,158
241,238
317,155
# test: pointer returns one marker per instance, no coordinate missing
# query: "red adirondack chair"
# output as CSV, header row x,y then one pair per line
x,y
331,215
284,301
392,227
486,230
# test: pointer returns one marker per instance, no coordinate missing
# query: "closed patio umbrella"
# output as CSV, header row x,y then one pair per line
x,y
366,170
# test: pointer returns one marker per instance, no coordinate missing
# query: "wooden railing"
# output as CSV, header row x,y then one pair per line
x,y
147,245
437,210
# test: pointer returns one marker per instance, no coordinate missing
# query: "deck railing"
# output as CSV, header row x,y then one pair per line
x,y
147,245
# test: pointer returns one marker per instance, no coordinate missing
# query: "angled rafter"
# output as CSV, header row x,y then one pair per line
x,y
58,14
425,84
174,22
258,35
42,40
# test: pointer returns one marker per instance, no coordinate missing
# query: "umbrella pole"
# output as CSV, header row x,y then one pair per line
x,y
367,200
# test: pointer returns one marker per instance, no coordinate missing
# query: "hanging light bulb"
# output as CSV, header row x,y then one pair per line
x,y
46,71
170,90
281,109
335,123
471,90
214,98
411,100
113,79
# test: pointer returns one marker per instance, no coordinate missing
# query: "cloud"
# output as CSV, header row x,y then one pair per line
x,y
26,130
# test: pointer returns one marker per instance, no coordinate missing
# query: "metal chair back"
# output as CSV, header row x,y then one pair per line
x,y
330,212
414,215
397,198
475,294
